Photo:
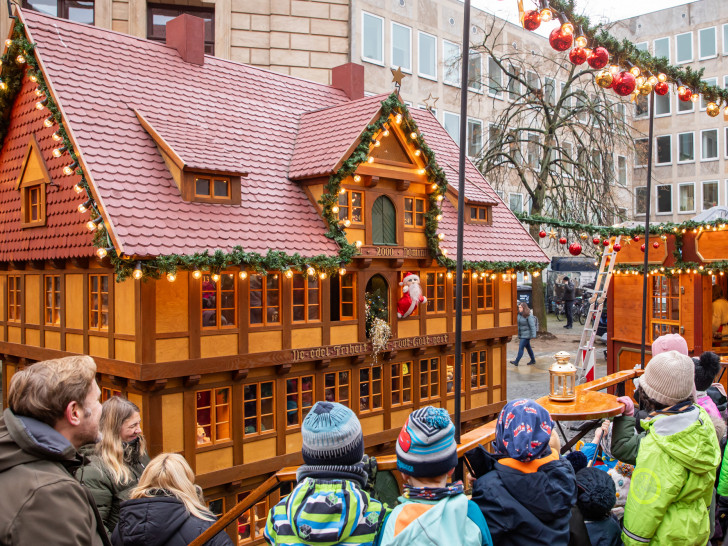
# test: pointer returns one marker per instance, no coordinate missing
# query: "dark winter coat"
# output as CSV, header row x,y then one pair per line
x,y
532,506
606,532
526,326
161,521
108,494
569,291
40,501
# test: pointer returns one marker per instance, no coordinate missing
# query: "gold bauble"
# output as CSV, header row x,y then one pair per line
x,y
604,79
584,236
713,109
645,89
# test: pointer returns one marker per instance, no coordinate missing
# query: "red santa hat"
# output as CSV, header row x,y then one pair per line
x,y
409,276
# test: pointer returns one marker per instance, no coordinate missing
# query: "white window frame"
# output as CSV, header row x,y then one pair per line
x,y
679,102
497,94
445,115
405,69
700,43
642,46
692,47
420,73
725,139
379,62
703,102
725,38
445,59
479,85
516,88
646,115
679,162
702,192
657,162
474,121
679,210
619,171
654,46
657,200
717,137
668,100
639,165
636,212
509,200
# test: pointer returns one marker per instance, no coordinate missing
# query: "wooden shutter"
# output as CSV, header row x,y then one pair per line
x,y
384,223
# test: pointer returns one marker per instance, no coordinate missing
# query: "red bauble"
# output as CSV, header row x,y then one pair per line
x,y
636,238
598,58
643,247
617,247
656,245
596,240
577,55
605,242
684,94
542,234
575,249
560,41
624,83
661,88
562,240
532,20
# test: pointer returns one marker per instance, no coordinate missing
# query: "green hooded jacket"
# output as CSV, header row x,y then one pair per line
x,y
672,484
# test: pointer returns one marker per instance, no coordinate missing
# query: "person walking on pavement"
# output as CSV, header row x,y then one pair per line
x,y
569,296
527,330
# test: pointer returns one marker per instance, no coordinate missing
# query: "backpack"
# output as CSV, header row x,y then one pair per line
x,y
535,319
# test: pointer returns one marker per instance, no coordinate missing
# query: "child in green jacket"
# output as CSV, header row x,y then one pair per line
x,y
432,511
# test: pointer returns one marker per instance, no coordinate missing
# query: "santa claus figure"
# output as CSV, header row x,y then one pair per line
x,y
412,295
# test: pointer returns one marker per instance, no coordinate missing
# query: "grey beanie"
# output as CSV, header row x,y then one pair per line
x,y
669,378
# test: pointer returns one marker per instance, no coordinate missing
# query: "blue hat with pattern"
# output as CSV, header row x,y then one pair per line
x,y
523,431
426,445
331,435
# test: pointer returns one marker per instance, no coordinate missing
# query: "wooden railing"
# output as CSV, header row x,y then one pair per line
x,y
482,435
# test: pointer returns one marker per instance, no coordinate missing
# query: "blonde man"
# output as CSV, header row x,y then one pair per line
x,y
53,409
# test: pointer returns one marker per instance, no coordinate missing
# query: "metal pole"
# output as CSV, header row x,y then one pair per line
x,y
457,376
647,230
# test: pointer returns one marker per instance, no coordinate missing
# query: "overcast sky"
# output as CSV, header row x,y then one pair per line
x,y
596,9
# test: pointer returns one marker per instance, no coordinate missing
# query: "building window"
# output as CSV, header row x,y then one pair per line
x,y
213,416
475,72
216,507
372,30
466,292
158,15
684,107
299,399
402,47
435,292
258,408
478,214
429,378
351,204
52,300
251,523
710,194
708,43
549,88
336,387
514,85
450,374
384,222
478,370
684,47
213,188
219,300
78,11
495,79
641,107
640,198
686,147
686,197
725,135
427,51
662,48
641,46
451,122
703,102
662,105
665,293
663,149
98,302
414,212
14,298
622,170
484,287
533,147
33,204
475,137
515,202
664,199
107,393
401,383
709,144
265,301
640,152
342,297
451,58
370,388
306,298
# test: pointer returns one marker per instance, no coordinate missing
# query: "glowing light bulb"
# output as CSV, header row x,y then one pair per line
x,y
662,77
58,152
289,273
38,92
39,105
101,253
347,222
370,159
546,15
91,225
48,122
322,275
357,178
82,208
439,198
196,274
20,59
3,86
421,171
310,271
68,170
137,272
171,277
77,188
635,70
215,277
695,97
8,42
385,133
342,271
536,273
418,153
441,236
614,69
652,80
438,217
243,275
32,77
444,252
335,209
413,135
580,41
358,244
398,119
449,274
567,28
57,137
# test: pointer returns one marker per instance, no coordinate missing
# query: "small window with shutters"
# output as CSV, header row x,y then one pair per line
x,y
384,222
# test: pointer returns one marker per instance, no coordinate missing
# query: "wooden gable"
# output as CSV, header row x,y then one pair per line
x,y
32,182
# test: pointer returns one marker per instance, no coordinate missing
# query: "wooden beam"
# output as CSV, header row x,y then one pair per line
x,y
191,380
240,375
57,264
403,185
16,265
80,263
37,264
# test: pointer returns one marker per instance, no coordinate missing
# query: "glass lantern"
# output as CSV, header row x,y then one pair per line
x,y
563,378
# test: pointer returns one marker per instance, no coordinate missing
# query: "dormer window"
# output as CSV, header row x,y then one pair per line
x,y
212,188
479,214
32,185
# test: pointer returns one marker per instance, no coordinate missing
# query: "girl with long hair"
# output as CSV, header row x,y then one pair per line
x,y
117,461
166,507
526,332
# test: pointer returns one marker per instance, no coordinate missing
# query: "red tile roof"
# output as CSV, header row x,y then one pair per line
x,y
230,117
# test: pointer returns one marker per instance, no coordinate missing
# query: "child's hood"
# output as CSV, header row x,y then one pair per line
x,y
436,522
329,512
687,437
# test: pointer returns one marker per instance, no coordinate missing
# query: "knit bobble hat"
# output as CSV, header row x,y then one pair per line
x,y
669,342
426,445
706,368
669,378
331,435
577,459
596,493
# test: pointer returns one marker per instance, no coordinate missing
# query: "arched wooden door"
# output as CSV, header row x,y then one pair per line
x,y
384,222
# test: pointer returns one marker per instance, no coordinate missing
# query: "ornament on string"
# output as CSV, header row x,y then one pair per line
x,y
713,109
605,242
596,240
542,234
684,93
552,234
562,240
636,238
656,244
598,58
624,83
617,247
578,56
662,88
645,88
560,40
605,79
643,247
532,20
574,249
584,236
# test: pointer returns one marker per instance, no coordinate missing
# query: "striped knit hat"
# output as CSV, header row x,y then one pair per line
x,y
331,435
426,445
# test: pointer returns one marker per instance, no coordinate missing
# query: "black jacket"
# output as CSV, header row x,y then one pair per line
x,y
569,291
606,532
160,521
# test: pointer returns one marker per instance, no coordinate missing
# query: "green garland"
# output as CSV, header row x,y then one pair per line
x,y
624,51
